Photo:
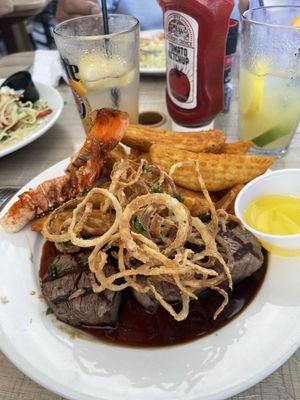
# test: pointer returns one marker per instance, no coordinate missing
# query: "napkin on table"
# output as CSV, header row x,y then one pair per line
x,y
47,67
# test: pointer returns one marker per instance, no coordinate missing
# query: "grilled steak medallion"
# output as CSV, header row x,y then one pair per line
x,y
247,259
245,249
67,287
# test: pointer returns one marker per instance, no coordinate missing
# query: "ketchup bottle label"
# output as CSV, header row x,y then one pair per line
x,y
182,52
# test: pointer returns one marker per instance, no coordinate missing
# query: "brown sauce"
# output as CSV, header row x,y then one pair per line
x,y
136,327
48,254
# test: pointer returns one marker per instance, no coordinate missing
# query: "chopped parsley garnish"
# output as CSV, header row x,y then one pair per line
x,y
84,263
49,311
53,270
137,225
4,137
67,245
179,197
144,167
83,260
205,218
156,189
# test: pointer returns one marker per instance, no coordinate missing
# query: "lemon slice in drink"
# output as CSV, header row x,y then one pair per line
x,y
296,22
98,71
252,89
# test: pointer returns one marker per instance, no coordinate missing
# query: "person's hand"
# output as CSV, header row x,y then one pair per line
x,y
6,7
67,9
243,5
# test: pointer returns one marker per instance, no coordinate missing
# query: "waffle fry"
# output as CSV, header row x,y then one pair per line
x,y
219,171
142,138
194,201
240,147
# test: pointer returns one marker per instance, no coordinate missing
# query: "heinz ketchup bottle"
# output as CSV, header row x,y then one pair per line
x,y
196,32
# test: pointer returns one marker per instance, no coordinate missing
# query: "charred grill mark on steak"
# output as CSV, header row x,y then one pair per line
x,y
51,278
246,248
70,293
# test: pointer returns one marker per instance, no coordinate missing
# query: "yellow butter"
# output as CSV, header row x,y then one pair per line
x,y
274,214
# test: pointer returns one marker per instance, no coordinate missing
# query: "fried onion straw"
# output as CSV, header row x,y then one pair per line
x,y
150,232
98,241
62,235
203,188
180,211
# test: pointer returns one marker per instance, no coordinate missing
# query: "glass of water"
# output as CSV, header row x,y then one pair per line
x,y
269,107
103,70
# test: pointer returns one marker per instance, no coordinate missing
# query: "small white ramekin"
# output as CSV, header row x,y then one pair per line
x,y
283,182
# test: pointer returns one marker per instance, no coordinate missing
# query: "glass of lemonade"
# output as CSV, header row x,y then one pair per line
x,y
103,70
269,107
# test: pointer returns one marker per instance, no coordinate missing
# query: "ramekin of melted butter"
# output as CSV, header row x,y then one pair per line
x,y
274,214
269,207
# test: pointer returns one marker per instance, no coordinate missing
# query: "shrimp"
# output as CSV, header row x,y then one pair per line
x,y
108,140
83,171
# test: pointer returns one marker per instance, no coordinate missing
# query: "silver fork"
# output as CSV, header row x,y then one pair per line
x,y
5,194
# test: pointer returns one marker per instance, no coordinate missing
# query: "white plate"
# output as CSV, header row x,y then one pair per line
x,y
56,104
215,367
152,71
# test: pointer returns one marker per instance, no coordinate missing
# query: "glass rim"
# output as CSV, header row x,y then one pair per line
x,y
96,37
254,22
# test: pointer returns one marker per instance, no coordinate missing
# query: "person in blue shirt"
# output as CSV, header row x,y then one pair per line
x,y
148,12
245,4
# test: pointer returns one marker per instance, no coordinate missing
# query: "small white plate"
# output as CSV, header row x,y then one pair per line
x,y
152,71
55,102
215,367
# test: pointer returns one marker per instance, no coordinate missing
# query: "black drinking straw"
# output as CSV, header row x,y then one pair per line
x,y
105,17
105,24
114,92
